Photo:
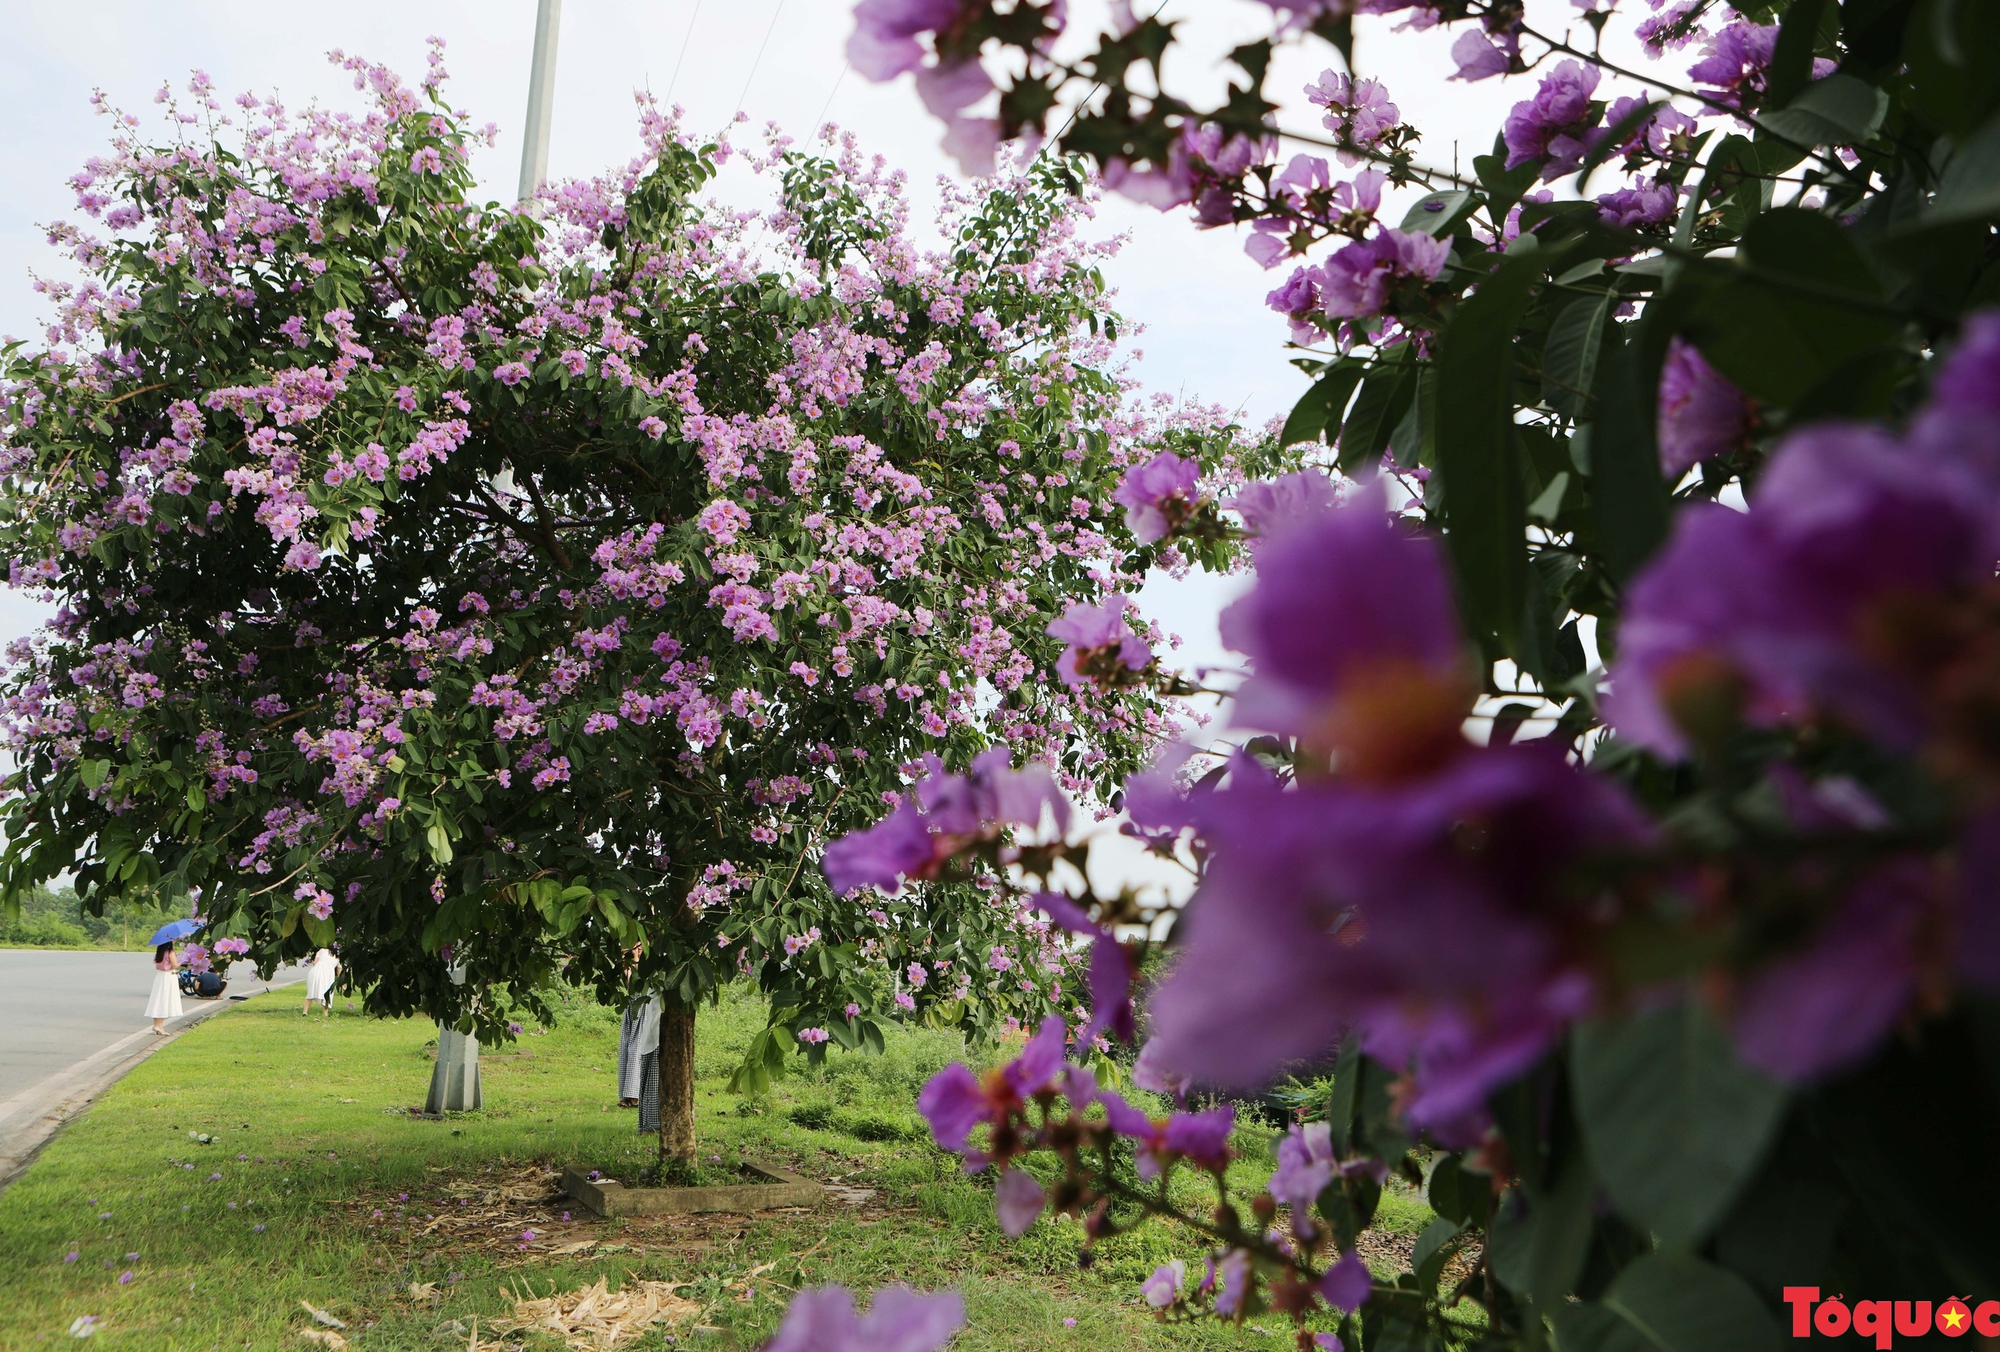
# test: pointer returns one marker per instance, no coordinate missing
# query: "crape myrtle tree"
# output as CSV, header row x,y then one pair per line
x,y
1669,973
536,591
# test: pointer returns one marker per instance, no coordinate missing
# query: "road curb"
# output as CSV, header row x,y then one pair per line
x,y
31,1119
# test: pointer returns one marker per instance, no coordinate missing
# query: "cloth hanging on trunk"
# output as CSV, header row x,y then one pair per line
x,y
649,1093
638,1037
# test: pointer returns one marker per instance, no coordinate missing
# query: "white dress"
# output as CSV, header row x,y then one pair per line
x,y
319,976
165,1001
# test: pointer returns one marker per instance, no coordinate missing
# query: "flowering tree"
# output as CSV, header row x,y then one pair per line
x,y
454,582
1663,971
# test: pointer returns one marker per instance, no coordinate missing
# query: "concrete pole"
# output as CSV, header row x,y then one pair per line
x,y
455,1080
541,99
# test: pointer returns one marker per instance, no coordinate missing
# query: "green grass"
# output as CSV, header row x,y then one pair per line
x,y
357,1199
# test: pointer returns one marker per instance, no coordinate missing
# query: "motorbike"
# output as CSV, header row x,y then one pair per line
x,y
203,985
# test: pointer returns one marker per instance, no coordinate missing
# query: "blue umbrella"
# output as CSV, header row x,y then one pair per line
x,y
175,929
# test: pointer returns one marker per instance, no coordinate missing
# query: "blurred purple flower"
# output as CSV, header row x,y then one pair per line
x,y
1812,599
955,1100
1353,637
1433,915
1201,1138
1102,644
1478,57
1550,126
884,43
1828,1005
1701,414
125,1277
1968,381
1158,495
1233,1282
899,846
822,1319
948,812
1305,1167
1267,506
1163,1288
1110,969
1152,1074
1347,1283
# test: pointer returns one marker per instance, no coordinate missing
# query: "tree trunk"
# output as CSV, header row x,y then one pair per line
x,y
676,1085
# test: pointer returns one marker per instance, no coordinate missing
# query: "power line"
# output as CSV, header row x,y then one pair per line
x,y
820,121
758,60
686,38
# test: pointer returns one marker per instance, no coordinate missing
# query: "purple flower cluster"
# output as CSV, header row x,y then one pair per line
x,y
1104,650
943,815
1552,127
1848,595
1158,495
1824,596
1735,62
1358,113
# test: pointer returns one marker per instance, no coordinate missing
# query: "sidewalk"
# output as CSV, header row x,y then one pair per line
x,y
30,1118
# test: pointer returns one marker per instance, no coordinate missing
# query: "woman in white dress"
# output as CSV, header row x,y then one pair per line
x,y
319,981
165,1001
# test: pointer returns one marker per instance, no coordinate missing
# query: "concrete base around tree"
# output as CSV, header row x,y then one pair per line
x,y
773,1187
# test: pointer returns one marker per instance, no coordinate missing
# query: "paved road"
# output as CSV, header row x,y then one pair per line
x,y
57,1007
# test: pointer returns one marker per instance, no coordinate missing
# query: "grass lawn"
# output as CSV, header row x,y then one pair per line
x,y
320,1187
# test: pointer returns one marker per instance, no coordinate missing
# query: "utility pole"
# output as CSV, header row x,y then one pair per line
x,y
541,99
455,1079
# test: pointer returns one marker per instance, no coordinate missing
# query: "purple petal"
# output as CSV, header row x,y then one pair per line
x,y
901,1320
952,1103
898,846
1018,1199
1347,1283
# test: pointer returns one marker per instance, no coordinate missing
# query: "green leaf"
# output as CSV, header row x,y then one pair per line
x,y
1806,303
1792,57
1675,1122
1438,214
1970,187
1569,356
1537,1246
1839,110
439,842
1665,1303
1433,1251
1385,397
1629,499
1503,186
1486,527
1321,406
93,773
